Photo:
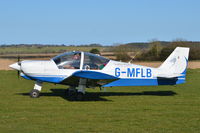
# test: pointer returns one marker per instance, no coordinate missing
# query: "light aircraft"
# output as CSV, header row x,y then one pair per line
x,y
81,70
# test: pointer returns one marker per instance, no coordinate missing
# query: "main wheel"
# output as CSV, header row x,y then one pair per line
x,y
80,96
71,94
34,93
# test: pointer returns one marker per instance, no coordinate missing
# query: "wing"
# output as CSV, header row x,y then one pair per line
x,y
94,78
93,75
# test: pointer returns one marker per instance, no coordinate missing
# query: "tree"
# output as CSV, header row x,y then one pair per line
x,y
121,53
95,51
152,54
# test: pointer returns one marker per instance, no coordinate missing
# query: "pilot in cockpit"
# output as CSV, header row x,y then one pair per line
x,y
75,63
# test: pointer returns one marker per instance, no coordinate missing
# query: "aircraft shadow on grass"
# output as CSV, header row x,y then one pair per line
x,y
98,96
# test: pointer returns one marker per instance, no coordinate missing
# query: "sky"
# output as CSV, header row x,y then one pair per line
x,y
107,22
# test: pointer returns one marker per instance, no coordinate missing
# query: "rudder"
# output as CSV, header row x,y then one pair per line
x,y
176,63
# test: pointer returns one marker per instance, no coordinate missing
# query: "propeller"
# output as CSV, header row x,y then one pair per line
x,y
19,63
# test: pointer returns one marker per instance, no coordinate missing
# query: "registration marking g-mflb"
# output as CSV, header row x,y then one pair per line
x,y
134,72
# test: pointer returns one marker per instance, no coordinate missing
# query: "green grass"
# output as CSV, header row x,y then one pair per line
x,y
167,109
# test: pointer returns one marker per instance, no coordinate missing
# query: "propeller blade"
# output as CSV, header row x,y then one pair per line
x,y
18,60
18,73
19,63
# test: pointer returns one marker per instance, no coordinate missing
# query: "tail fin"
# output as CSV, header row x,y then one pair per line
x,y
176,64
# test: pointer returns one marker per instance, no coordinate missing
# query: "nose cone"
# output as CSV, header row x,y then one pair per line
x,y
15,66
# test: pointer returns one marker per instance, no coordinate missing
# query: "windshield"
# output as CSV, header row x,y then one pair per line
x,y
69,60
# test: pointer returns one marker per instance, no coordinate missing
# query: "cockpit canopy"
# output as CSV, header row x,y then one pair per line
x,y
77,60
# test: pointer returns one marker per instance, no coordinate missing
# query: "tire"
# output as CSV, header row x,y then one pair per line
x,y
34,93
80,96
71,94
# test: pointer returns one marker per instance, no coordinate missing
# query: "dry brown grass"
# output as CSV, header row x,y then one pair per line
x,y
4,64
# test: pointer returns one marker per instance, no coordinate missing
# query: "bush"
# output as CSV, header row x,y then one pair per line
x,y
121,53
194,49
95,51
152,54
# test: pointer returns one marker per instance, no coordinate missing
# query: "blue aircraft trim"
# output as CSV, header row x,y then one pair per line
x,y
184,72
51,79
93,75
26,77
60,78
145,82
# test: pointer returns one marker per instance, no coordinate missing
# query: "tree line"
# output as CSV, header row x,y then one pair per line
x,y
147,51
156,50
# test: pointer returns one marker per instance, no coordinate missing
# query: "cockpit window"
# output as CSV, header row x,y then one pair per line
x,y
69,60
94,62
72,60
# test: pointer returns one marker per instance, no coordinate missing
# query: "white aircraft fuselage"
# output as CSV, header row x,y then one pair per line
x,y
81,69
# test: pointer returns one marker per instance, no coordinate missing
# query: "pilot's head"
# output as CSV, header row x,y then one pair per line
x,y
77,56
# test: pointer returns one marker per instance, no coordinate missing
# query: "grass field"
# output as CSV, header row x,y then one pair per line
x,y
167,109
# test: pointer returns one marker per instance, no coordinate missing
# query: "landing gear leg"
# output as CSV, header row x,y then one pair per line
x,y
35,93
81,90
80,93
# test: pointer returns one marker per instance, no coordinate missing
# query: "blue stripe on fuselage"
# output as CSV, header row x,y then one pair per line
x,y
146,82
45,79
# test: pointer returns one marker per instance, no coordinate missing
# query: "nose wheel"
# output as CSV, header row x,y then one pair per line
x,y
34,93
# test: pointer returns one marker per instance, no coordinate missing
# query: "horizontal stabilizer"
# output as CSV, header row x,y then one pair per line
x,y
174,75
